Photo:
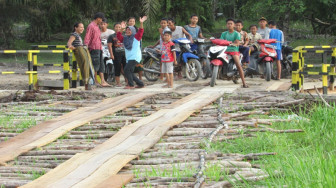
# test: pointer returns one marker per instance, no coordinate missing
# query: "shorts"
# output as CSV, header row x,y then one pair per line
x,y
97,61
279,54
232,53
167,67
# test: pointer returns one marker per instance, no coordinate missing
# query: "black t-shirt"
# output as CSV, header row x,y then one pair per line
x,y
117,46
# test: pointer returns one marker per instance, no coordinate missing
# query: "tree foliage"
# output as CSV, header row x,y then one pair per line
x,y
45,18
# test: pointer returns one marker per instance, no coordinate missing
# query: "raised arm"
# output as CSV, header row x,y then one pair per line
x,y
120,36
140,32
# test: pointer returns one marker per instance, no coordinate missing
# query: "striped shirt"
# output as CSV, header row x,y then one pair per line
x,y
78,40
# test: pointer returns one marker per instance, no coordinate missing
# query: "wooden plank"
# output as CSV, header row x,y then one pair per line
x,y
127,144
49,131
118,180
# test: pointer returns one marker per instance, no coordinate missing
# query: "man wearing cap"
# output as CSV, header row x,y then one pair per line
x,y
263,30
93,41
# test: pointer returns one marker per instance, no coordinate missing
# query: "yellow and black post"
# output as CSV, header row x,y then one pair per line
x,y
298,63
34,55
30,75
66,69
332,69
74,71
324,74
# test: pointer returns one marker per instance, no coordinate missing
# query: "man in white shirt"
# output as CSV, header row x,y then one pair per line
x,y
105,32
263,30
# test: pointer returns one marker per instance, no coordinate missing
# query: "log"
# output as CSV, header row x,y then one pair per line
x,y
51,152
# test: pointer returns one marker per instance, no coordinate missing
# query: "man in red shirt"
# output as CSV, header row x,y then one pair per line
x,y
93,41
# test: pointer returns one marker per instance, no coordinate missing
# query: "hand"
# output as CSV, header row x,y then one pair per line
x,y
123,24
158,51
175,62
143,19
72,48
112,56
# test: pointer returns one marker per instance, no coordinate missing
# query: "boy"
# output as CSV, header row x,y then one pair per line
x,y
278,35
162,29
263,30
243,42
168,57
131,42
253,38
194,30
105,32
234,37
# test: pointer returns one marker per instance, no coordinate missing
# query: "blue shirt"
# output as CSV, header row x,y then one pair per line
x,y
193,31
276,34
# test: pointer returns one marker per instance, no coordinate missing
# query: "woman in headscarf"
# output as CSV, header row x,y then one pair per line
x,y
133,52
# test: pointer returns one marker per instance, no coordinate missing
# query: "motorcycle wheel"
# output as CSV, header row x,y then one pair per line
x,y
194,69
149,64
206,69
268,71
214,76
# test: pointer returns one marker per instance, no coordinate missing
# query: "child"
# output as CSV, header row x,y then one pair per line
x,y
278,35
117,53
234,37
82,54
133,52
253,38
243,42
168,57
162,29
194,30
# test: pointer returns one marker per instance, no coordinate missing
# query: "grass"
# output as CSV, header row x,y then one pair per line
x,y
305,159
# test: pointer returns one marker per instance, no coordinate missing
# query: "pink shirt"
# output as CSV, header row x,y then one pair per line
x,y
92,37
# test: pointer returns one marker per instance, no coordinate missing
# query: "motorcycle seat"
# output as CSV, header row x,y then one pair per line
x,y
267,41
221,42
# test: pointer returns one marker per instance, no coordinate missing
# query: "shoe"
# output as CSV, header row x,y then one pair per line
x,y
139,86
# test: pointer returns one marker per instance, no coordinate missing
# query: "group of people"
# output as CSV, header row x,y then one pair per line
x,y
125,50
124,45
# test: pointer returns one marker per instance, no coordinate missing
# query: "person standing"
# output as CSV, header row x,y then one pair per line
x,y
278,35
168,58
82,54
117,54
263,30
131,42
105,31
93,41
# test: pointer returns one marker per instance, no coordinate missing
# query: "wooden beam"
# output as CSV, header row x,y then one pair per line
x,y
48,131
95,166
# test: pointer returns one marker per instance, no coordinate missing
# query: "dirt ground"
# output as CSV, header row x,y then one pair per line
x,y
20,81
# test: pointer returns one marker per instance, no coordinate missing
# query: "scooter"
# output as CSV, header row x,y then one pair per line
x,y
223,65
202,48
151,64
109,74
188,61
286,62
261,63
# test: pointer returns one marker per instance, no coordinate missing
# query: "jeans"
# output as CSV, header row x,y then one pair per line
x,y
128,70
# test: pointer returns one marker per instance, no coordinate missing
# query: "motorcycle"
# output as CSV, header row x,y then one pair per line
x,y
261,63
151,64
188,61
286,62
223,65
108,62
201,52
